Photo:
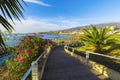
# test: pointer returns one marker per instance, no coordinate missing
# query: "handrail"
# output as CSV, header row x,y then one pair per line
x,y
30,69
111,57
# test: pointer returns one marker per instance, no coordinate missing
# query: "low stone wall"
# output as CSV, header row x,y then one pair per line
x,y
112,74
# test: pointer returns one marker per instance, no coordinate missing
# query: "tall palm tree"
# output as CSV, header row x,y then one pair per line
x,y
10,9
99,38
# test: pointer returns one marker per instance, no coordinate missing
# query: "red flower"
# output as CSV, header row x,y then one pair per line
x,y
20,58
43,44
27,51
29,54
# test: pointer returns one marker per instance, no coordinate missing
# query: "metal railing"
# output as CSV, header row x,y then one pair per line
x,y
106,65
88,52
90,58
106,60
34,67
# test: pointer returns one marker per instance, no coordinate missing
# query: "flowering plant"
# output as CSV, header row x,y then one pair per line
x,y
25,52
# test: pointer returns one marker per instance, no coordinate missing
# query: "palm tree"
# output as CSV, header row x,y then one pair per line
x,y
10,9
99,38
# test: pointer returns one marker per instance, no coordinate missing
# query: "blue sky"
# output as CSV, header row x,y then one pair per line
x,y
50,15
74,8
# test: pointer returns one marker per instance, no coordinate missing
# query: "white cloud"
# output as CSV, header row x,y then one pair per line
x,y
36,25
33,24
38,2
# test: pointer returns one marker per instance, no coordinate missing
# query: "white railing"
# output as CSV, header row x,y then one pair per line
x,y
88,52
34,67
86,58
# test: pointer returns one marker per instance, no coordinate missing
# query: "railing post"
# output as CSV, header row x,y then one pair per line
x,y
87,58
64,47
35,71
72,52
49,49
67,47
45,56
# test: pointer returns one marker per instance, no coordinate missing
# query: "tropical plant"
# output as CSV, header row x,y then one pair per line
x,y
99,38
24,53
10,9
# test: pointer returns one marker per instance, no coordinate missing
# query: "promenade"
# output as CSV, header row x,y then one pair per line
x,y
61,66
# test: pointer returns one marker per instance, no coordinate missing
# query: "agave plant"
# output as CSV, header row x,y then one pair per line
x,y
99,38
10,9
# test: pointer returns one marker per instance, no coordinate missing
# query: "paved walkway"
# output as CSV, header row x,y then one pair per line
x,y
61,66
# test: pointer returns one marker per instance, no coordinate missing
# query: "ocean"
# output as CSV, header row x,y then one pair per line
x,y
14,39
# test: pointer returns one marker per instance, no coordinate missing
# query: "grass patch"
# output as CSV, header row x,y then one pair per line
x,y
108,50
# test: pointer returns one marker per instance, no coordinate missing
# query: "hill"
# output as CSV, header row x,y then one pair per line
x,y
116,26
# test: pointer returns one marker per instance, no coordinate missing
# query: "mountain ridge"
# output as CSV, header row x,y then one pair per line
x,y
115,24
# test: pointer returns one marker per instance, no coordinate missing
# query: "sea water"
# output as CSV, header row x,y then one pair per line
x,y
14,39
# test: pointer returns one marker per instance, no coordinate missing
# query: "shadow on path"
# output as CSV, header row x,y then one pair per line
x,y
61,66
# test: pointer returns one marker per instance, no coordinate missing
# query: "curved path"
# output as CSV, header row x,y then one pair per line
x,y
61,66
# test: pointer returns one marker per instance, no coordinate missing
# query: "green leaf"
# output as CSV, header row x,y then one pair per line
x,y
10,9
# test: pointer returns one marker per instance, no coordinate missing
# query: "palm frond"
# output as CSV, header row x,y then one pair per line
x,y
6,24
99,37
10,9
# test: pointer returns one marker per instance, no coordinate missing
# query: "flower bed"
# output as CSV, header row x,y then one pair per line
x,y
24,53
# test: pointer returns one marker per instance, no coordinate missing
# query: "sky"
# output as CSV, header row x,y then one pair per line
x,y
51,15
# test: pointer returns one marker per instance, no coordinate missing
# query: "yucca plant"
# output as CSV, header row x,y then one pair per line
x,y
10,9
99,38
